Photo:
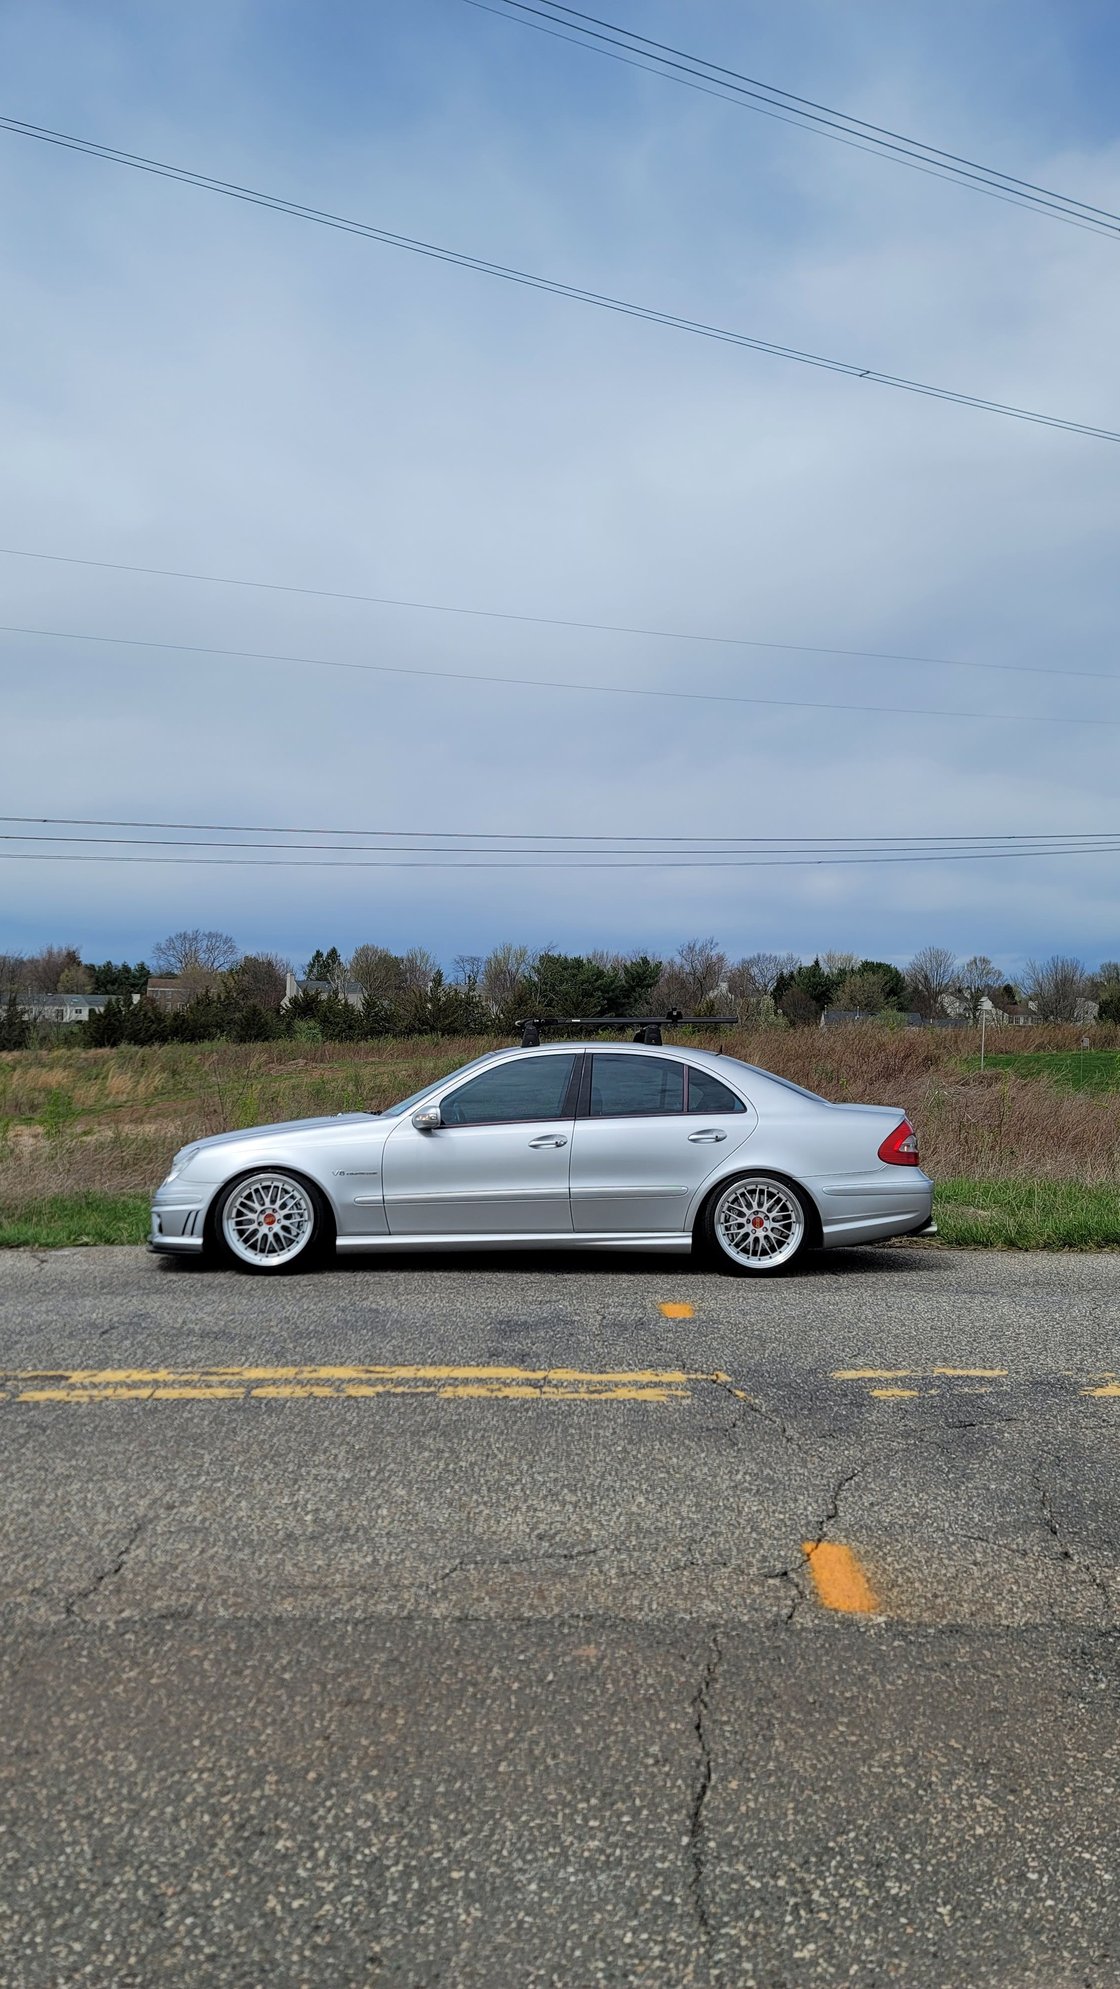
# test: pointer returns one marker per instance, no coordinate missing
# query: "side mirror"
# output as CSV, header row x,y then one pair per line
x,y
427,1119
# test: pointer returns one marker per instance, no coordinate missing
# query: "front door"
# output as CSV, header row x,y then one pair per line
x,y
654,1132
498,1164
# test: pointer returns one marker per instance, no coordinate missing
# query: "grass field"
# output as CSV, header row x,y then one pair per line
x,y
1072,1070
1025,1153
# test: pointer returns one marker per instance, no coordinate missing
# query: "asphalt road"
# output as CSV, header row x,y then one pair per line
x,y
542,1623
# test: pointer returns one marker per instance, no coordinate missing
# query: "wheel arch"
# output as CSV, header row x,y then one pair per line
x,y
815,1238
300,1174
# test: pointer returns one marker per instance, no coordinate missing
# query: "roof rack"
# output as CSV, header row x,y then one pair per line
x,y
648,1027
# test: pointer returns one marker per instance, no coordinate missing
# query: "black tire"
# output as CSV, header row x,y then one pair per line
x,y
286,1204
774,1216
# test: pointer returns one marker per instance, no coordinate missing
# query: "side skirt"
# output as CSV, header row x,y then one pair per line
x,y
677,1242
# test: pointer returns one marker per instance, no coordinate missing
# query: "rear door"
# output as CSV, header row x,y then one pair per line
x,y
499,1162
654,1129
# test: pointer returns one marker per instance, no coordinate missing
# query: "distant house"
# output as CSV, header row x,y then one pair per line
x,y
62,1007
350,991
169,990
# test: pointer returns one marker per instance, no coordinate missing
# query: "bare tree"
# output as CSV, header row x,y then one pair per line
x,y
691,978
377,972
13,975
977,977
46,969
931,974
751,982
840,964
417,970
196,952
468,971
504,974
262,979
1057,987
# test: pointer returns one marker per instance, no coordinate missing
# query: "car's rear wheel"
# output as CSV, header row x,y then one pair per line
x,y
758,1223
271,1221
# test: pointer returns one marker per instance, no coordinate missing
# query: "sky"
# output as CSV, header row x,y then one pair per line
x,y
194,383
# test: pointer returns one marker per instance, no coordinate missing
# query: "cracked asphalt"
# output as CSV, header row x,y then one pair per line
x,y
470,1676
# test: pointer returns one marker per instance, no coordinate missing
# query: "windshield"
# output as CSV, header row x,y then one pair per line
x,y
414,1097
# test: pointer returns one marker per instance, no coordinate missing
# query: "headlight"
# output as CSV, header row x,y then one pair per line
x,y
182,1159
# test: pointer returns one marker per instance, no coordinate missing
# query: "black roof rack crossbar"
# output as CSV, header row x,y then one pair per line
x,y
648,1027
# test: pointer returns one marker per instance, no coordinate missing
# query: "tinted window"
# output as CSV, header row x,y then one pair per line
x,y
532,1088
707,1094
623,1087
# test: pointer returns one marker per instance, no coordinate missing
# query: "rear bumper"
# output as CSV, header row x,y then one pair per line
x,y
893,1202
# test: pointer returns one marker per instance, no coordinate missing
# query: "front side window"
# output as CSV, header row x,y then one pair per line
x,y
635,1087
531,1088
709,1094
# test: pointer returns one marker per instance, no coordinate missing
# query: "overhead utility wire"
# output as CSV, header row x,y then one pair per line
x,y
711,856
506,863
572,836
677,65
552,286
555,683
565,621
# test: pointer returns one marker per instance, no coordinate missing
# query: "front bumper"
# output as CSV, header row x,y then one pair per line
x,y
178,1220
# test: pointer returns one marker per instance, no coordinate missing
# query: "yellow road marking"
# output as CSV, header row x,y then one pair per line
x,y
673,1311
892,1394
350,1382
871,1373
973,1373
1110,1388
838,1578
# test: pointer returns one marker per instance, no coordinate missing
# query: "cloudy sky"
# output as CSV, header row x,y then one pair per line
x,y
193,383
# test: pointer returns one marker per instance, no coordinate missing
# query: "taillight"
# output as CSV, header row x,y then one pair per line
x,y
900,1148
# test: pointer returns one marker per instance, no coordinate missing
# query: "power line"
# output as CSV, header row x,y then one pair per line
x,y
555,683
472,850
675,65
712,854
970,839
552,286
565,621
507,863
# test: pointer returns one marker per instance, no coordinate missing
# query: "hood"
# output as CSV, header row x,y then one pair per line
x,y
281,1126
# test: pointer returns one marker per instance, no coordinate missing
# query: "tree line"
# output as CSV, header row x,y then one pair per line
x,y
376,992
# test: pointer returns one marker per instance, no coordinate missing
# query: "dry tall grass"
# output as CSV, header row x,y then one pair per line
x,y
109,1119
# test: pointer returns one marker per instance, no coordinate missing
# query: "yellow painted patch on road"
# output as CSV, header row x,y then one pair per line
x,y
352,1383
892,1394
839,1579
973,1373
673,1311
1107,1388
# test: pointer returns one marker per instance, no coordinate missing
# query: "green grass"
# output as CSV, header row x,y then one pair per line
x,y
61,1220
1073,1070
1028,1215
1005,1215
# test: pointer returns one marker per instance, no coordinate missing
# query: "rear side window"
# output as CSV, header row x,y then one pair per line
x,y
530,1088
709,1094
635,1087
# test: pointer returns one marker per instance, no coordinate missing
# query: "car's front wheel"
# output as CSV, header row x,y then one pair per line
x,y
757,1223
270,1221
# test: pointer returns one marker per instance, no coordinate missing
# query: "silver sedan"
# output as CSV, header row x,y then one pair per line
x,y
571,1145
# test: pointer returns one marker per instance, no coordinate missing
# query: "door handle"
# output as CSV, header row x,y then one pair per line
x,y
555,1139
707,1137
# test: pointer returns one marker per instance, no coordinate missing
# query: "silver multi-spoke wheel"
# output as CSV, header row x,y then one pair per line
x,y
268,1220
759,1223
